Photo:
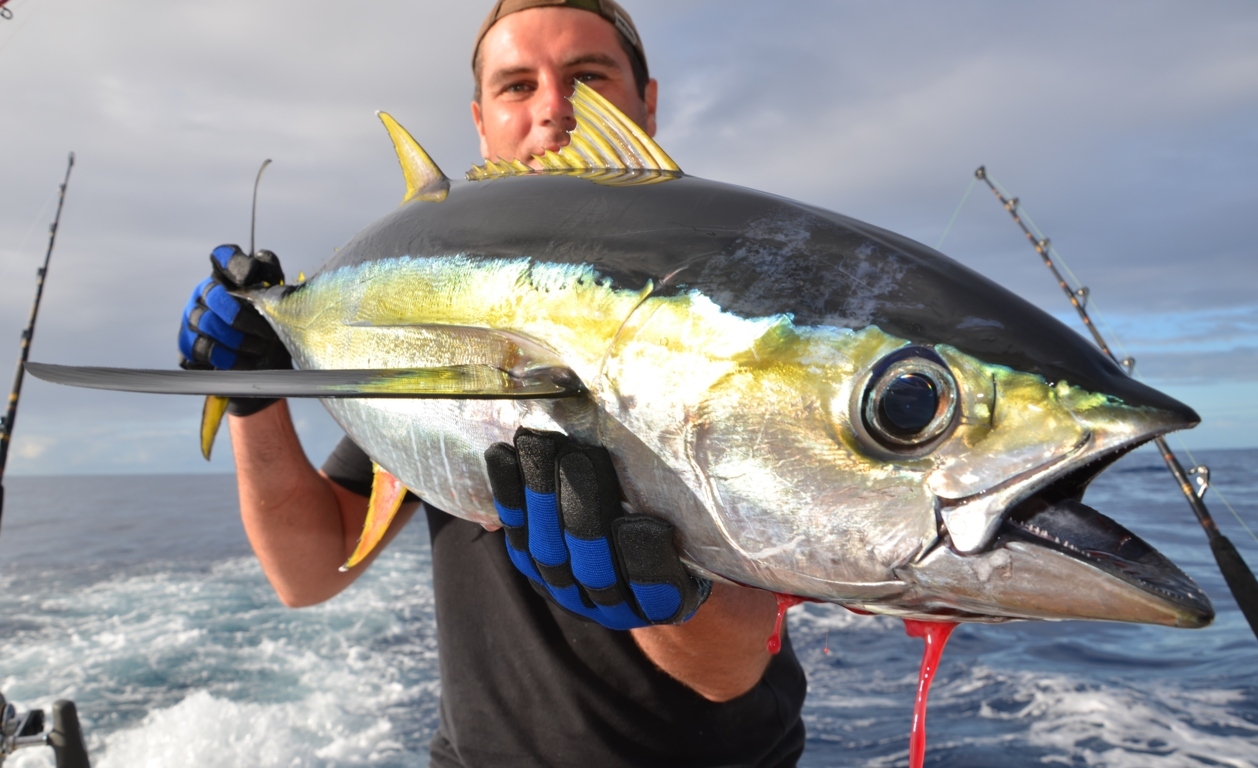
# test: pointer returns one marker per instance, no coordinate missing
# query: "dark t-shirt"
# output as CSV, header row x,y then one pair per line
x,y
524,683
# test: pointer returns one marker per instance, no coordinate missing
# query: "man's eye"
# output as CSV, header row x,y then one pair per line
x,y
521,87
589,77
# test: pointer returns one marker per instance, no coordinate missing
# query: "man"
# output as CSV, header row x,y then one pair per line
x,y
524,682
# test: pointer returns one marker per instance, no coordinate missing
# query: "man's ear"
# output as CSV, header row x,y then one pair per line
x,y
480,130
651,94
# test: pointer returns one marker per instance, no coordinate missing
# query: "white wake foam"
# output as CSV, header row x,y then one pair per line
x,y
209,669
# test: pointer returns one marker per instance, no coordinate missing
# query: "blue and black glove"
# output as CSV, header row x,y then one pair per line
x,y
222,332
566,530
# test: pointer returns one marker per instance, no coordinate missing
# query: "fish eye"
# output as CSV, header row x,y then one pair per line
x,y
910,400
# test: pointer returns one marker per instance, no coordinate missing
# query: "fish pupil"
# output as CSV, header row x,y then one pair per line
x,y
909,404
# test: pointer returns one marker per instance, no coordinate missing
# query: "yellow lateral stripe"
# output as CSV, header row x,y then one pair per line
x,y
211,417
387,493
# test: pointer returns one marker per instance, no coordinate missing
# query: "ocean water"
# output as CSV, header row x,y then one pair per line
x,y
138,598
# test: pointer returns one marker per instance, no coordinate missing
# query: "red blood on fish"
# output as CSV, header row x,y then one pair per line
x,y
785,602
936,634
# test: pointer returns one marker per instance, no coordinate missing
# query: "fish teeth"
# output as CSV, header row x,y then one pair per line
x,y
1035,530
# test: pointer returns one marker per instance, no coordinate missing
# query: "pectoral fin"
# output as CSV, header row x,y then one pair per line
x,y
484,382
387,493
211,418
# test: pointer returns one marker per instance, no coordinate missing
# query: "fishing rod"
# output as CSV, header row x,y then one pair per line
x,y
1240,579
6,423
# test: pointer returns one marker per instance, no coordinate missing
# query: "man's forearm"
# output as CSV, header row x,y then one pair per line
x,y
302,526
720,653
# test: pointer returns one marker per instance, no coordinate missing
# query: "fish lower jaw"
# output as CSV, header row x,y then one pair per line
x,y
1052,560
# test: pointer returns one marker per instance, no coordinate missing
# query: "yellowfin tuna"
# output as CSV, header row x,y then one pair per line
x,y
821,407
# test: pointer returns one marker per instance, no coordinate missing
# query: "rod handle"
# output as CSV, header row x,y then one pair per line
x,y
1239,578
66,736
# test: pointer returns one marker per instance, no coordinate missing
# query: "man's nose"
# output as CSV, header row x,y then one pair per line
x,y
552,105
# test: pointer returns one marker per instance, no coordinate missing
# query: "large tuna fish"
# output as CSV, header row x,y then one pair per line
x,y
821,407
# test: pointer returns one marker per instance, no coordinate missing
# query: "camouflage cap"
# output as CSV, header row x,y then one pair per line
x,y
608,9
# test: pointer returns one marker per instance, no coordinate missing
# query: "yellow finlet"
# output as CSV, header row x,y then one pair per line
x,y
211,417
424,180
387,493
605,146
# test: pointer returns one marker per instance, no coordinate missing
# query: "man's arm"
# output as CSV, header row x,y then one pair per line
x,y
721,652
302,525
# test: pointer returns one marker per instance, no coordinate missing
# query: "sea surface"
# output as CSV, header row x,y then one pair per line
x,y
138,598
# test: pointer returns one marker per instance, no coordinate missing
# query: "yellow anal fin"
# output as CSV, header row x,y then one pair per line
x,y
211,418
424,180
605,140
387,493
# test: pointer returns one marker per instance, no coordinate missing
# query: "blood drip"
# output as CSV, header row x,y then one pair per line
x,y
936,634
785,602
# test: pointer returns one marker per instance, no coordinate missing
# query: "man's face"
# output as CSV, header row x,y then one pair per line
x,y
529,61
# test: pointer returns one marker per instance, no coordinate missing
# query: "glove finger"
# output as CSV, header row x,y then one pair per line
x,y
236,269
207,322
663,588
200,350
201,322
217,355
222,303
537,453
187,339
508,491
237,313
220,261
265,269
589,499
197,292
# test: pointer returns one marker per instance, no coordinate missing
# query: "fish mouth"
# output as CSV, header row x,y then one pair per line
x,y
1054,557
1075,530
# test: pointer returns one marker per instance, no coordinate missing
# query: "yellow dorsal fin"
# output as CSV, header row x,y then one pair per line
x,y
605,139
424,180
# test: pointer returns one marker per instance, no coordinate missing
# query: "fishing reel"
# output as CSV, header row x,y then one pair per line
x,y
27,730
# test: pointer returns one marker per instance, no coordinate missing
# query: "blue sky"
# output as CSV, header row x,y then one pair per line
x,y
1128,129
